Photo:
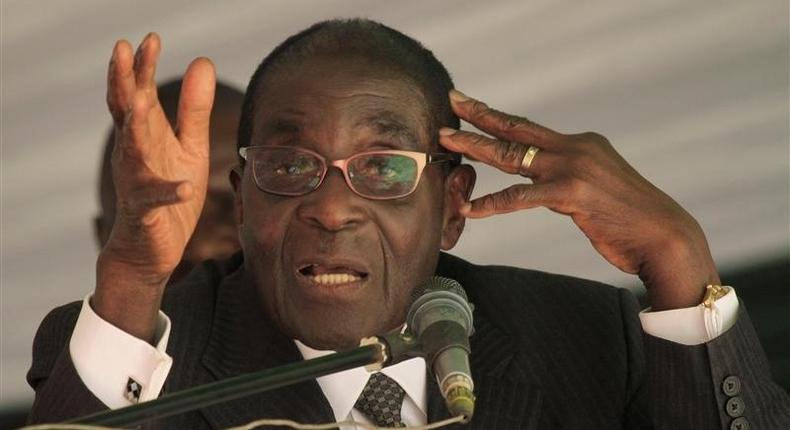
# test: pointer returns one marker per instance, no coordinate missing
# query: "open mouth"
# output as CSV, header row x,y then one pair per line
x,y
324,275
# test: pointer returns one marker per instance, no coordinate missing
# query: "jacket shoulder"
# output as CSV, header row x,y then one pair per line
x,y
514,297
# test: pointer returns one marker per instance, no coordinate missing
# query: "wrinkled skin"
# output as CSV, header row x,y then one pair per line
x,y
634,225
323,107
215,236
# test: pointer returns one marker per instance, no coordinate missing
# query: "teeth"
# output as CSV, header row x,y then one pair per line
x,y
334,278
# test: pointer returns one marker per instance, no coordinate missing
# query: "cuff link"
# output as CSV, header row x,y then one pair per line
x,y
133,390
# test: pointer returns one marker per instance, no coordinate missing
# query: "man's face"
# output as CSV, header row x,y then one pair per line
x,y
338,108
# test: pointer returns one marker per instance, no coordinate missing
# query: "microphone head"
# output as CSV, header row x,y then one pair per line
x,y
439,298
437,283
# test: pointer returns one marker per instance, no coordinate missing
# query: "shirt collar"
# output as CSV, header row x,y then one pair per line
x,y
342,389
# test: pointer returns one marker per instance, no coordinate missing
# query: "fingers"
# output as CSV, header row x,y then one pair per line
x,y
194,104
504,155
137,125
145,62
120,80
499,124
129,73
516,197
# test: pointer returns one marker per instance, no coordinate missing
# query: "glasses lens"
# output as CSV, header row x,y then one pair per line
x,y
286,171
383,175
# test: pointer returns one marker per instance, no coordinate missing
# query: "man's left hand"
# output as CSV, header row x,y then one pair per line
x,y
631,223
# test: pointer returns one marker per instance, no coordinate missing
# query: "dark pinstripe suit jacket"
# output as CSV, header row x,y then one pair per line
x,y
549,352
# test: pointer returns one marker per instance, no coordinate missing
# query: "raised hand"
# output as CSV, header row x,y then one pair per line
x,y
630,222
160,177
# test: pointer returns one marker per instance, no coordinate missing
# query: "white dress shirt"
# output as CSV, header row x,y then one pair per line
x,y
343,389
105,357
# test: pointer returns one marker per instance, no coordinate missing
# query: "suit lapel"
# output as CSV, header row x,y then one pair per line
x,y
243,341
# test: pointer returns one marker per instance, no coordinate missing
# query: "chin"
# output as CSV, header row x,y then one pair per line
x,y
335,340
337,331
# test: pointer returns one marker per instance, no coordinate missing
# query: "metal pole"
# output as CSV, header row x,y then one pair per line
x,y
236,387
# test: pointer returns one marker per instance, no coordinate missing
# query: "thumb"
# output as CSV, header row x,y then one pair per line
x,y
156,194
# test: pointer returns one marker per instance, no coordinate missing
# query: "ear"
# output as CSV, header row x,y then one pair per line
x,y
457,190
235,177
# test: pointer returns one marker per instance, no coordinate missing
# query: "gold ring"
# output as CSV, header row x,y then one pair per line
x,y
529,157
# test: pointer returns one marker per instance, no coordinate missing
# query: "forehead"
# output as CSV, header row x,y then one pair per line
x,y
327,99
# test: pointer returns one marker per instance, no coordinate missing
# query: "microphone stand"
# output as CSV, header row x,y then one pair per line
x,y
372,354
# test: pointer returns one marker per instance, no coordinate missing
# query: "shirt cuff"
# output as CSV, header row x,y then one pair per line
x,y
107,358
695,325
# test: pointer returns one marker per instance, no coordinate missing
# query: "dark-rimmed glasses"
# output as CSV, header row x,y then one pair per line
x,y
377,175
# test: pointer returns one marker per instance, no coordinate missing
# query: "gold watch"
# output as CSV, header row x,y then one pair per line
x,y
713,293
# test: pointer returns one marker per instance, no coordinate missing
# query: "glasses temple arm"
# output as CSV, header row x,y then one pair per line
x,y
441,157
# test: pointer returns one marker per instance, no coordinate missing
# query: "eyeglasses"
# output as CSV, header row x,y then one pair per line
x,y
377,175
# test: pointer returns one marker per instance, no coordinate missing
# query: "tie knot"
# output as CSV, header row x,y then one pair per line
x,y
381,401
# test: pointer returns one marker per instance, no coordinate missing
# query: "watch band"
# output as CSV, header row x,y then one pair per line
x,y
713,293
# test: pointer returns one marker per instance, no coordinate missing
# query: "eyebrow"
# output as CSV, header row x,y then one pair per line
x,y
390,124
284,126
386,123
289,121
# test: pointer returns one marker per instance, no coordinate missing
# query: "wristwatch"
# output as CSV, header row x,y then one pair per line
x,y
713,293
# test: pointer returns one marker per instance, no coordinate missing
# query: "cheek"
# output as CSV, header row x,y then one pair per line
x,y
406,231
265,222
412,230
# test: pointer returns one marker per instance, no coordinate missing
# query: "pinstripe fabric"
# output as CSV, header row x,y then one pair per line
x,y
737,353
763,399
766,403
242,341
549,352
56,398
583,359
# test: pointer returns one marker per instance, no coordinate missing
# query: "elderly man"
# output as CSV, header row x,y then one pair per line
x,y
348,189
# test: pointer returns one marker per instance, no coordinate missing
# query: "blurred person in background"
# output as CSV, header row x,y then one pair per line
x,y
215,236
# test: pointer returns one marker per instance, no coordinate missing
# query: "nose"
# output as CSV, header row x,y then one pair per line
x,y
333,206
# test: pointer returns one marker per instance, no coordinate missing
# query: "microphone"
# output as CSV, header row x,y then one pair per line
x,y
441,318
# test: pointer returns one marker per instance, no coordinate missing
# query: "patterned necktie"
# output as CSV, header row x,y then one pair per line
x,y
381,401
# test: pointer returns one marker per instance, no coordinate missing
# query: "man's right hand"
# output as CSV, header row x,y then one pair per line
x,y
160,177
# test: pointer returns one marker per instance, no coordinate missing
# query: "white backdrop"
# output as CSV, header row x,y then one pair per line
x,y
694,94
